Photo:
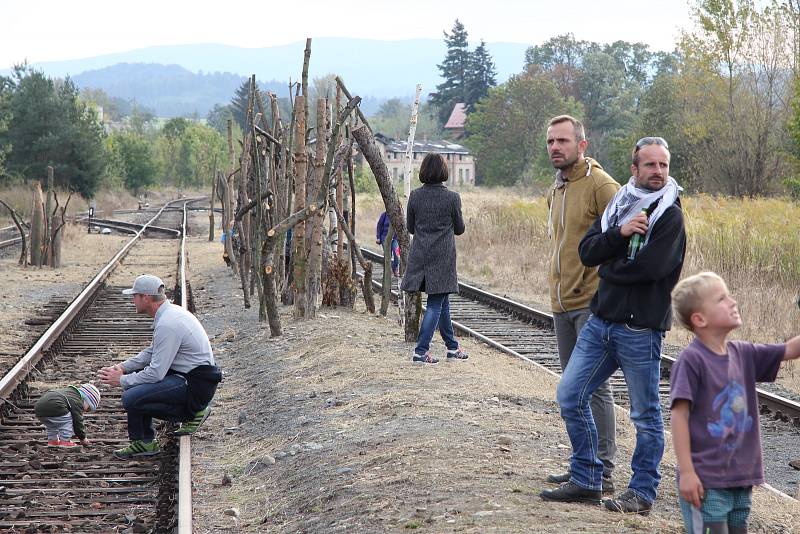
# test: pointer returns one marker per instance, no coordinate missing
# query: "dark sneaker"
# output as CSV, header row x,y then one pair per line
x,y
190,427
425,358
457,354
136,449
628,503
558,479
569,492
608,484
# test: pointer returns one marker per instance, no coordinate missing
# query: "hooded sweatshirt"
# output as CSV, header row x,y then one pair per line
x,y
578,197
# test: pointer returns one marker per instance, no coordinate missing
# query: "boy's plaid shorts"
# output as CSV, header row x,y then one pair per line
x,y
720,505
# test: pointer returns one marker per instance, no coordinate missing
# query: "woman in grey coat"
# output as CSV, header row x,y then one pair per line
x,y
434,218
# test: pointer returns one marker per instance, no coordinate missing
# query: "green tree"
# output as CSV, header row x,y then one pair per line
x,y
141,120
174,128
187,152
453,70
794,121
480,77
393,117
49,125
239,103
137,161
218,117
747,47
506,130
6,94
561,57
608,104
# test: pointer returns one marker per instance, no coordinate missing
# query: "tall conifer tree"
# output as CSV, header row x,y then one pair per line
x,y
480,76
454,71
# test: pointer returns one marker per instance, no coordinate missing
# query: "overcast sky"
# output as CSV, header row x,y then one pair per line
x,y
49,30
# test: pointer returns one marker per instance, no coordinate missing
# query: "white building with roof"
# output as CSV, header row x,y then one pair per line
x,y
460,162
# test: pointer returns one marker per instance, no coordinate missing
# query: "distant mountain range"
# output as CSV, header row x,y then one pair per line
x,y
178,80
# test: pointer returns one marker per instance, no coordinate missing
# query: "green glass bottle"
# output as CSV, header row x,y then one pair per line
x,y
636,241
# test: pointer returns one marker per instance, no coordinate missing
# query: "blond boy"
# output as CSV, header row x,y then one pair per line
x,y
715,427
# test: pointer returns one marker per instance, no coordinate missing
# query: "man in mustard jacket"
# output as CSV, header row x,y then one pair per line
x,y
578,197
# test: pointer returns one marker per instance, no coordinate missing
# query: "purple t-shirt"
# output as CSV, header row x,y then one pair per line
x,y
723,419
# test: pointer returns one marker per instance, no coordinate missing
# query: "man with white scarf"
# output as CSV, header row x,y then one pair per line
x,y
630,313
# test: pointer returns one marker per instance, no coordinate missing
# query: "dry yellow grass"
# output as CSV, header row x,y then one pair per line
x,y
753,243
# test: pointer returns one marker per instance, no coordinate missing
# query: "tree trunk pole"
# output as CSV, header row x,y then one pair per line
x,y
361,116
304,213
314,246
244,173
57,236
47,255
352,219
369,299
412,131
396,215
23,257
37,226
229,201
213,195
339,194
281,193
304,81
299,231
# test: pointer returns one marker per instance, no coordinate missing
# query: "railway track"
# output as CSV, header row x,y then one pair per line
x,y
44,489
528,334
9,236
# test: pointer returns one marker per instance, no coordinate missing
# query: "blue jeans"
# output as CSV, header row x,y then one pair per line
x,y
437,312
395,254
601,349
165,400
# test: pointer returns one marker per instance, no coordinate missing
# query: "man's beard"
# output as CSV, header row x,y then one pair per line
x,y
567,163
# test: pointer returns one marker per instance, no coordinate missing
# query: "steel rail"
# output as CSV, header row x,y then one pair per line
x,y
10,242
17,374
126,226
785,409
185,442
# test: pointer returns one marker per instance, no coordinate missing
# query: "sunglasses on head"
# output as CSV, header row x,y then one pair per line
x,y
646,141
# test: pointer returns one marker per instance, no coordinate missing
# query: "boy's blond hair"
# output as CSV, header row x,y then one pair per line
x,y
687,297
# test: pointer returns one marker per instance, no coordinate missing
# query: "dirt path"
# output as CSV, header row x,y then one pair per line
x,y
331,429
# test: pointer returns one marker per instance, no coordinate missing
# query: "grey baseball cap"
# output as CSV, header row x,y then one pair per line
x,y
146,284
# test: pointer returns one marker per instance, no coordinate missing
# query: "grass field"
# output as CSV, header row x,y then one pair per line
x,y
754,244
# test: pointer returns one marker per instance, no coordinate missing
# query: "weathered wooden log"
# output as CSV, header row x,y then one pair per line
x,y
361,116
304,84
37,226
47,254
23,257
242,200
299,233
213,197
58,221
307,211
57,224
339,193
314,236
227,208
352,212
369,300
394,210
